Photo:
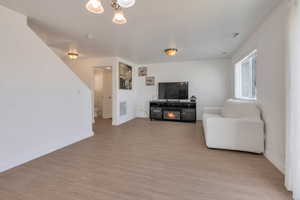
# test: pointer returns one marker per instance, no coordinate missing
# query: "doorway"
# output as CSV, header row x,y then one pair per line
x,y
103,93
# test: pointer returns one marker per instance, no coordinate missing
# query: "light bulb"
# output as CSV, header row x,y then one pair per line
x,y
119,17
171,51
94,6
126,3
73,55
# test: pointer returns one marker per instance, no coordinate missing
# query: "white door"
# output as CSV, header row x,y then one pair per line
x,y
107,95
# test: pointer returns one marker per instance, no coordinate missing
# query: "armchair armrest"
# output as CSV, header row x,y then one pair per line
x,y
212,110
235,134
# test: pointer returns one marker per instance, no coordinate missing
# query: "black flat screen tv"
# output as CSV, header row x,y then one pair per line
x,y
175,90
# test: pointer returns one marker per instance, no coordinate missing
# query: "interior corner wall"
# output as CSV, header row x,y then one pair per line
x,y
209,81
44,106
269,40
126,96
84,68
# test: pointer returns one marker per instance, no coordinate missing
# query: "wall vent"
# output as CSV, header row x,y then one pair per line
x,y
123,108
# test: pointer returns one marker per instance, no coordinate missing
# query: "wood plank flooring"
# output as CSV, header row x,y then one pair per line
x,y
144,160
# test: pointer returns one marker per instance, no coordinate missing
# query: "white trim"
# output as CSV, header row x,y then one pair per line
x,y
238,76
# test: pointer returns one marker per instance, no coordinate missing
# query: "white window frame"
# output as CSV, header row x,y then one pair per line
x,y
238,77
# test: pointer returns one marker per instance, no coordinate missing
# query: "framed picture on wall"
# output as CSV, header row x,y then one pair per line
x,y
125,76
150,80
143,71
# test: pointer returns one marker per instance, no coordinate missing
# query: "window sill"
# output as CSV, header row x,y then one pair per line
x,y
245,99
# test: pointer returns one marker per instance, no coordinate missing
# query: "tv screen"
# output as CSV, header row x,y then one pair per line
x,y
177,90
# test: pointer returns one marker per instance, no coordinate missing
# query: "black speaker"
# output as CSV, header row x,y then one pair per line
x,y
156,113
188,115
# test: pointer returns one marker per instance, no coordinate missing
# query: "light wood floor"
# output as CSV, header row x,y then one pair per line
x,y
144,160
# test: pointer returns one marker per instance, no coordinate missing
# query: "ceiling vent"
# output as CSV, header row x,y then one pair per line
x,y
235,35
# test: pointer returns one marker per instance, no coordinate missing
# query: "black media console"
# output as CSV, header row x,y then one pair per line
x,y
173,111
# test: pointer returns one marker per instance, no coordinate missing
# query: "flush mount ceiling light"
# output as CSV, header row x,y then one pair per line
x,y
96,7
171,51
73,55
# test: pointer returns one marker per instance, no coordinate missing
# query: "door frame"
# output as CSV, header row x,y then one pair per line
x,y
93,91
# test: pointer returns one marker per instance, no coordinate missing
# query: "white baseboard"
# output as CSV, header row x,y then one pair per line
x,y
275,162
123,121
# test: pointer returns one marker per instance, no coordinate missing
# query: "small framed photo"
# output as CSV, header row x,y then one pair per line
x,y
150,80
143,71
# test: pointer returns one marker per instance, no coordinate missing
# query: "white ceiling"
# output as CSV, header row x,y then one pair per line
x,y
200,29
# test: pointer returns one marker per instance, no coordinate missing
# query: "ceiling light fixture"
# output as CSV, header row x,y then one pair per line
x,y
171,51
119,17
73,55
94,6
126,3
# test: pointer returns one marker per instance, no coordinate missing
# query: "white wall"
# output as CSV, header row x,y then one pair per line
x,y
269,40
44,106
292,170
128,96
209,81
84,68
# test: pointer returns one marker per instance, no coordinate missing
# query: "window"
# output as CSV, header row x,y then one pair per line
x,y
245,77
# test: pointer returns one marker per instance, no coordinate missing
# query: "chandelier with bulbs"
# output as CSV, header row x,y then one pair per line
x,y
95,6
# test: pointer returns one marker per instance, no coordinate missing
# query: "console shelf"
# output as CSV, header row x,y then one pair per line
x,y
173,111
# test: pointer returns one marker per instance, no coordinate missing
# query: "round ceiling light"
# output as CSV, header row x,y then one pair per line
x,y
126,3
119,17
94,6
73,55
171,51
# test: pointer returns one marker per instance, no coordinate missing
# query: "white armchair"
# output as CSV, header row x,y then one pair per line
x,y
236,126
